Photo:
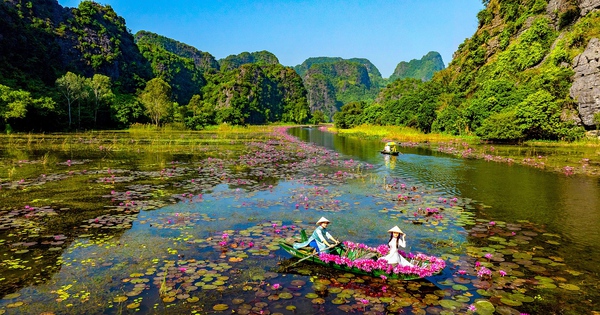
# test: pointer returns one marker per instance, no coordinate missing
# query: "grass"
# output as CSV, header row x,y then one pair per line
x,y
400,133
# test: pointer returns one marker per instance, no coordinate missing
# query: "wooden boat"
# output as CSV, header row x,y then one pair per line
x,y
424,266
392,148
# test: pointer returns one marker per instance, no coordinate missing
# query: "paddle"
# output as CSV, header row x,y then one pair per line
x,y
312,255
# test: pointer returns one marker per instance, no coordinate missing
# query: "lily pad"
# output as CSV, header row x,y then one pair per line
x,y
11,296
450,304
510,302
220,307
568,286
133,305
318,301
285,295
119,299
484,307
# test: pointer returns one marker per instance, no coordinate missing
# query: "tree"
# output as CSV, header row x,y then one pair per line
x,y
125,110
14,104
72,87
100,87
156,97
318,117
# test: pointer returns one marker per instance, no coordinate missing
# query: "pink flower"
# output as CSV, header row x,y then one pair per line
x,y
477,264
484,272
488,256
471,308
502,273
276,286
383,277
492,223
462,272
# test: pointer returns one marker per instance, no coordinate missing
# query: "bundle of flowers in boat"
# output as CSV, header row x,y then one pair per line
x,y
421,265
358,250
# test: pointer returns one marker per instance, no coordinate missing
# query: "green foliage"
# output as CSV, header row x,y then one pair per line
x,y
125,110
100,92
259,57
16,104
597,120
492,97
257,94
179,72
73,88
13,104
422,69
529,49
204,61
538,117
568,17
484,17
331,84
501,126
156,98
349,115
318,117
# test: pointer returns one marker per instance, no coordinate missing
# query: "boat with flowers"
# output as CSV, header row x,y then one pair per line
x,y
365,260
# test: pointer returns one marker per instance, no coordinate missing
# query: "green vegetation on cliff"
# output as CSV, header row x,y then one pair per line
x,y
422,69
332,82
509,82
259,57
81,68
166,57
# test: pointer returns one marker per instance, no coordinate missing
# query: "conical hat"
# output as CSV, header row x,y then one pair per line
x,y
322,219
396,229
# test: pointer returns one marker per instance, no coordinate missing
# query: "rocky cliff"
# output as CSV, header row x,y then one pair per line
x,y
586,82
422,69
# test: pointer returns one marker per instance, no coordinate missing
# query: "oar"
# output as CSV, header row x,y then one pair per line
x,y
312,255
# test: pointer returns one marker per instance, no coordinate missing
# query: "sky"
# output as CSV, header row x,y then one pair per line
x,y
384,31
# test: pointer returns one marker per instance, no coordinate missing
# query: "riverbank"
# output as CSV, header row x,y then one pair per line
x,y
570,158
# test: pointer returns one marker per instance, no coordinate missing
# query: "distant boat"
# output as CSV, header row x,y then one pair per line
x,y
391,148
389,152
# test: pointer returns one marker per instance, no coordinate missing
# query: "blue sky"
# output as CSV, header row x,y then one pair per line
x,y
385,32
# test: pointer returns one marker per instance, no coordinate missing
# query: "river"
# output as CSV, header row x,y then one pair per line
x,y
565,205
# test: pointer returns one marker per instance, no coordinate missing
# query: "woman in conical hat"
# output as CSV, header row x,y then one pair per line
x,y
320,239
396,241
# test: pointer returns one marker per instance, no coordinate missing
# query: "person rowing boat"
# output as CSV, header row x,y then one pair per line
x,y
320,239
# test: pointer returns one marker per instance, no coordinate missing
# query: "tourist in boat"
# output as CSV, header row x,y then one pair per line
x,y
320,239
386,149
397,240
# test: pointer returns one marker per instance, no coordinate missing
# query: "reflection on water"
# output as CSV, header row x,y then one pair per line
x,y
567,206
